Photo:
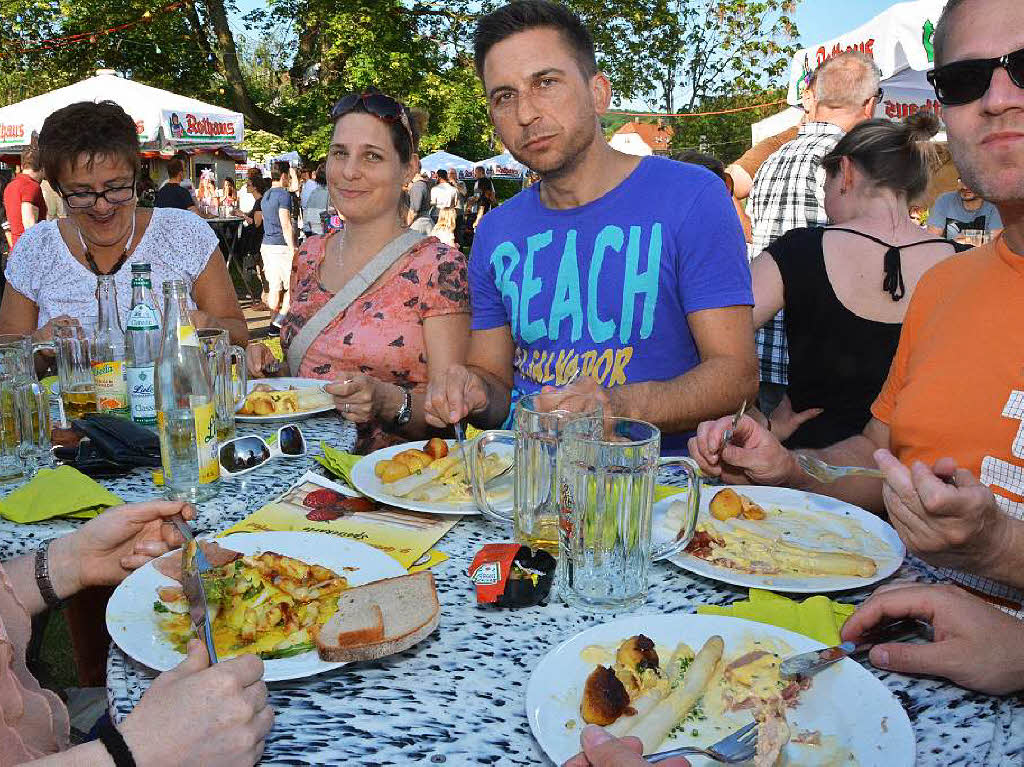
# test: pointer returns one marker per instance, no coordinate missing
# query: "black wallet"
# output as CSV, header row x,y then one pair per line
x,y
110,446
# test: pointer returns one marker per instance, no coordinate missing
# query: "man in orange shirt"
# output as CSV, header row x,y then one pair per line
x,y
956,387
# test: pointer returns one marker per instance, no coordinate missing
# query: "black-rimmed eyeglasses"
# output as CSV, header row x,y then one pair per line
x,y
116,195
961,82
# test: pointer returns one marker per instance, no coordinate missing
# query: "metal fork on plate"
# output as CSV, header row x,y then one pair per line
x,y
732,749
824,472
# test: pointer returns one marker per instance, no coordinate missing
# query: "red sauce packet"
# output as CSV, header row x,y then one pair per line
x,y
511,575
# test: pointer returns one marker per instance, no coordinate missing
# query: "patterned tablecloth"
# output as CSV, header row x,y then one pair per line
x,y
457,698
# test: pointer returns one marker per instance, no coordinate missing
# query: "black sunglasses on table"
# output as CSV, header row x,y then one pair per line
x,y
384,107
962,82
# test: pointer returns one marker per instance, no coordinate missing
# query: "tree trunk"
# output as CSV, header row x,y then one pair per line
x,y
227,59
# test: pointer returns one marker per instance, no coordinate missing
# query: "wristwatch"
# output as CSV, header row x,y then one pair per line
x,y
404,414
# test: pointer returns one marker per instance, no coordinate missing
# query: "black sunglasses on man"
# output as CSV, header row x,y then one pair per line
x,y
961,82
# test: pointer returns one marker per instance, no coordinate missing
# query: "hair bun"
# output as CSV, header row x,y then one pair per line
x,y
921,125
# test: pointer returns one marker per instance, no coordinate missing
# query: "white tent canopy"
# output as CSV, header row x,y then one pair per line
x,y
163,119
503,165
445,161
899,40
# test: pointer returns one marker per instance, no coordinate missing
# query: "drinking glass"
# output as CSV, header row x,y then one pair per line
x,y
539,422
32,404
12,457
607,471
16,356
228,377
72,344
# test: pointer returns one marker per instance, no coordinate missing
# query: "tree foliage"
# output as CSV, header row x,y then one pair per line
x,y
288,62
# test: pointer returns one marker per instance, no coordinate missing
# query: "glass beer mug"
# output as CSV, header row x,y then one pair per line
x,y
538,427
607,472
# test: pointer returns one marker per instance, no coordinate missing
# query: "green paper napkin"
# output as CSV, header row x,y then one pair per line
x,y
338,462
60,492
817,617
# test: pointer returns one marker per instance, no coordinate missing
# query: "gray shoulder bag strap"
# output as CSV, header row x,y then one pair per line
x,y
356,286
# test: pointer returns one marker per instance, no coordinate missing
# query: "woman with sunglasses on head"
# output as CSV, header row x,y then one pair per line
x,y
375,308
90,153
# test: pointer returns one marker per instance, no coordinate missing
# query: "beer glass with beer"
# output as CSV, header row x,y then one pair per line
x,y
72,344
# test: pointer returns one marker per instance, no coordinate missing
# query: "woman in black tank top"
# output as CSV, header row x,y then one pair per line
x,y
839,359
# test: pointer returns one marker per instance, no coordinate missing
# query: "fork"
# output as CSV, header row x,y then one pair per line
x,y
738,747
460,437
824,472
727,434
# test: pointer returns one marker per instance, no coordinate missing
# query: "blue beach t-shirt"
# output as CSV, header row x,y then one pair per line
x,y
607,286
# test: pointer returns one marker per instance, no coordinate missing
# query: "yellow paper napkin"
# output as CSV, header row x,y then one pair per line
x,y
338,462
817,617
60,492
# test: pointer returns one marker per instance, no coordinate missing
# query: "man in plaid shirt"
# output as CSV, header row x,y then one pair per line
x,y
788,189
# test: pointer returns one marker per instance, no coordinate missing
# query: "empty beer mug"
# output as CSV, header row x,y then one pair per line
x,y
607,472
228,377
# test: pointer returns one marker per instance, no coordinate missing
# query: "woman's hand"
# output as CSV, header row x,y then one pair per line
x,y
257,358
784,421
106,548
202,714
45,333
358,397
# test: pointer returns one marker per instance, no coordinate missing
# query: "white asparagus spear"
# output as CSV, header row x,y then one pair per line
x,y
653,728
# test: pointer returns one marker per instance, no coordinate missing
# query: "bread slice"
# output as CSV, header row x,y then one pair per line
x,y
365,623
409,609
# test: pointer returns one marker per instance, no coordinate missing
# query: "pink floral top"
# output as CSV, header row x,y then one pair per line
x,y
33,721
381,332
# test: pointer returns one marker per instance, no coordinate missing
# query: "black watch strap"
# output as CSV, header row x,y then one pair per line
x,y
114,742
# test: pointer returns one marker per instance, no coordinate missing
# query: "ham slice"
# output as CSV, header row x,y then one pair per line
x,y
216,555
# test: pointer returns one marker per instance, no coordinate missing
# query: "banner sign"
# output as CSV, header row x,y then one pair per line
x,y
12,135
184,127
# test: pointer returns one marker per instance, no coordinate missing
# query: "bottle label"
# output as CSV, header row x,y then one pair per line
x,y
187,336
142,394
206,442
139,281
142,317
111,386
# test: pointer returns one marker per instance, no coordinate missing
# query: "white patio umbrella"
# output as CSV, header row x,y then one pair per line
x,y
503,165
445,160
899,40
164,120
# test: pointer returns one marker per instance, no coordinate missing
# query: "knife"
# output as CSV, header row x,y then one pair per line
x,y
193,564
809,663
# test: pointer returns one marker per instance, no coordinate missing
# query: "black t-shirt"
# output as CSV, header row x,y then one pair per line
x,y
173,195
838,360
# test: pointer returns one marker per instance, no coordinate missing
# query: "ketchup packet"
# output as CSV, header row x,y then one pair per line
x,y
511,575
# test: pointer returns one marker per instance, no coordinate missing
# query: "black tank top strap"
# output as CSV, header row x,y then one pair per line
x,y
892,282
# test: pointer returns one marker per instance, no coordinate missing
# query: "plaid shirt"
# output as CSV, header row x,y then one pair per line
x,y
788,192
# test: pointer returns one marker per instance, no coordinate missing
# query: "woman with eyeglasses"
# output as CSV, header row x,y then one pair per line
x,y
377,343
90,153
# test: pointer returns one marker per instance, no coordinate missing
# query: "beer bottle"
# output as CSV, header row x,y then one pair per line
x,y
108,368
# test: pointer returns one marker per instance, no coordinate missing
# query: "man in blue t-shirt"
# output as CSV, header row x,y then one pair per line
x,y
954,213
278,248
633,270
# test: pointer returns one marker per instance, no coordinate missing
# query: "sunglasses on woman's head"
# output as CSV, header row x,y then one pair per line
x,y
962,82
243,454
377,104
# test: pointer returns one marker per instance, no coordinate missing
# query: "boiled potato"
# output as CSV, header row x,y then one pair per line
x,y
750,509
414,459
436,448
726,504
394,471
378,469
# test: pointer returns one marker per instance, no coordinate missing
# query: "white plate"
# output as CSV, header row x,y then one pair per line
x,y
888,559
280,384
367,483
845,701
132,622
